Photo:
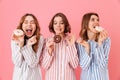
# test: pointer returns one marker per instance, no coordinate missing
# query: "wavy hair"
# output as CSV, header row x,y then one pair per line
x,y
37,31
84,25
65,21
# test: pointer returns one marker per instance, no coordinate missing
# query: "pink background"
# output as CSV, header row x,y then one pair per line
x,y
12,10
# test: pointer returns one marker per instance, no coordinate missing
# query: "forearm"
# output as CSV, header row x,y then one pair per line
x,y
30,56
84,57
47,60
73,56
17,57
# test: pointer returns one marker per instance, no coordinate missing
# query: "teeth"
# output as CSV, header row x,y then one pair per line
x,y
29,30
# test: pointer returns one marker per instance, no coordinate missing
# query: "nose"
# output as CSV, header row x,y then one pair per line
x,y
58,25
29,23
96,23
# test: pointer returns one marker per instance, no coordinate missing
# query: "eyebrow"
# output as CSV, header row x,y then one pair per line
x,y
28,20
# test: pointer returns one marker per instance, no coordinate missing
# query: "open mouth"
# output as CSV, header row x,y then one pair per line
x,y
94,26
29,31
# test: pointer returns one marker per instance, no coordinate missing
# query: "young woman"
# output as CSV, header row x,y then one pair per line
x,y
60,57
93,48
26,49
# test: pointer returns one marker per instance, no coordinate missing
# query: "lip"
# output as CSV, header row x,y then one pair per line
x,y
28,32
94,26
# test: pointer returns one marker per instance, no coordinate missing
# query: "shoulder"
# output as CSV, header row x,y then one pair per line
x,y
78,43
42,39
48,38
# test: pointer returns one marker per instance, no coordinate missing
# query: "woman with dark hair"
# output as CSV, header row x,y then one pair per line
x,y
60,55
93,48
26,44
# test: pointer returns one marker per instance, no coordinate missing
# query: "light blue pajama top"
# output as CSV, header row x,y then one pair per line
x,y
95,65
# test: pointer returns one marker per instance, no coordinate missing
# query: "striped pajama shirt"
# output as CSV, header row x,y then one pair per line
x,y
95,65
26,61
60,66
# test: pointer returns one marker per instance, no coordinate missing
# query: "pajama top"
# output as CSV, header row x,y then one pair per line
x,y
26,61
95,65
60,66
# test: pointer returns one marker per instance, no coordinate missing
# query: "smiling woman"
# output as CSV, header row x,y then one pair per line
x,y
12,10
60,56
93,48
29,26
26,49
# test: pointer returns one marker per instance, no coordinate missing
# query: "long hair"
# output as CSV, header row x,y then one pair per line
x,y
84,25
37,31
65,21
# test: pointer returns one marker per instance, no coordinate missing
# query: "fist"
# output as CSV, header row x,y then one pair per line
x,y
50,45
70,39
32,40
18,37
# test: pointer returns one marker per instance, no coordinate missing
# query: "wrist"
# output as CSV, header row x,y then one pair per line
x,y
50,52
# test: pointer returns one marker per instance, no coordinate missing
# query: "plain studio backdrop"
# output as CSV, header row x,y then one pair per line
x,y
12,10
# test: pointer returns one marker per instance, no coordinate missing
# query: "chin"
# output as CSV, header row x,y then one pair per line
x,y
29,36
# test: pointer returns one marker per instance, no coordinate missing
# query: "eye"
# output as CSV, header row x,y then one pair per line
x,y
98,20
55,23
61,23
92,19
25,22
32,22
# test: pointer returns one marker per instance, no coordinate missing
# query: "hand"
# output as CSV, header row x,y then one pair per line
x,y
18,39
50,45
17,34
70,39
32,40
102,36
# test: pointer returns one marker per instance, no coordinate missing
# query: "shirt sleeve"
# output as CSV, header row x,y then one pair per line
x,y
103,52
46,58
84,57
73,56
17,57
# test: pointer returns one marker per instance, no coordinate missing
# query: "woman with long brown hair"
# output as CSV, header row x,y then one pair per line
x,y
60,57
93,48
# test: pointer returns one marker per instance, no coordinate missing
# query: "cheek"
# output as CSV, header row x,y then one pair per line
x,y
23,27
90,28
34,28
63,27
54,28
90,24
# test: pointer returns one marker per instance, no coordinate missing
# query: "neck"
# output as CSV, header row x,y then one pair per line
x,y
91,35
62,35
